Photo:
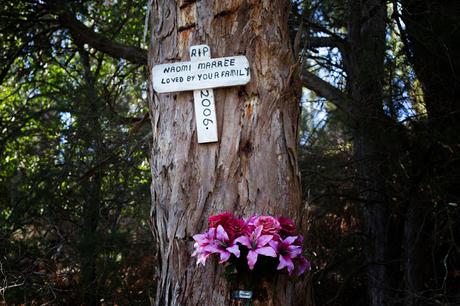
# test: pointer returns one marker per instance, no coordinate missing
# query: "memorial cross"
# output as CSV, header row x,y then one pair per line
x,y
201,75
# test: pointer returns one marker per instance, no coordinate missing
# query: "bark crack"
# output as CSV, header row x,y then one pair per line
x,y
226,13
186,27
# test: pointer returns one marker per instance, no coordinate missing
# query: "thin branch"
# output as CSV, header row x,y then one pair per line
x,y
97,41
327,42
323,29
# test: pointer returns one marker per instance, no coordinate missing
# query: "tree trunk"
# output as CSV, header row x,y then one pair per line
x,y
90,134
432,37
253,167
365,67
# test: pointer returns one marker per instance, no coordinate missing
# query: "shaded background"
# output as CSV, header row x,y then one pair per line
x,y
378,151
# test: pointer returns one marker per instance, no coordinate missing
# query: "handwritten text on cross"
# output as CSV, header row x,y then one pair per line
x,y
202,74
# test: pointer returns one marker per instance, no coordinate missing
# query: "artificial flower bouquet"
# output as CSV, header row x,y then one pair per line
x,y
263,241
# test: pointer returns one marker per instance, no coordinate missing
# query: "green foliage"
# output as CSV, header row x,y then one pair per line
x,y
74,175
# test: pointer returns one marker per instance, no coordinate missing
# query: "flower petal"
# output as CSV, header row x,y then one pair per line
x,y
234,249
263,240
252,259
201,259
294,250
251,220
224,256
290,239
244,240
282,263
290,265
221,234
277,237
212,233
274,244
267,251
285,261
258,231
211,248
196,251
299,240
201,238
303,265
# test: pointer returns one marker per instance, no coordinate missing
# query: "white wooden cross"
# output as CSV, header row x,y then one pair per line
x,y
201,75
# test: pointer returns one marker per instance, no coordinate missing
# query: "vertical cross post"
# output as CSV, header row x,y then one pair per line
x,y
205,110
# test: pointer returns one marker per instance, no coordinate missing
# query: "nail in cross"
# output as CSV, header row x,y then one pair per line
x,y
202,74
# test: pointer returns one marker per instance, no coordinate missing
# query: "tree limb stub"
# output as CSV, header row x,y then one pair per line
x,y
324,89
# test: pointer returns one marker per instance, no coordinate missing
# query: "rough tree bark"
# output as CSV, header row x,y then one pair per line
x,y
253,167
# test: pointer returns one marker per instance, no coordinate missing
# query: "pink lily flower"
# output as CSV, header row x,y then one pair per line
x,y
222,245
257,244
201,255
287,252
202,241
206,238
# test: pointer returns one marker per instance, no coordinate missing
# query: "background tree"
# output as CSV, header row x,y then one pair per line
x,y
378,101
431,49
